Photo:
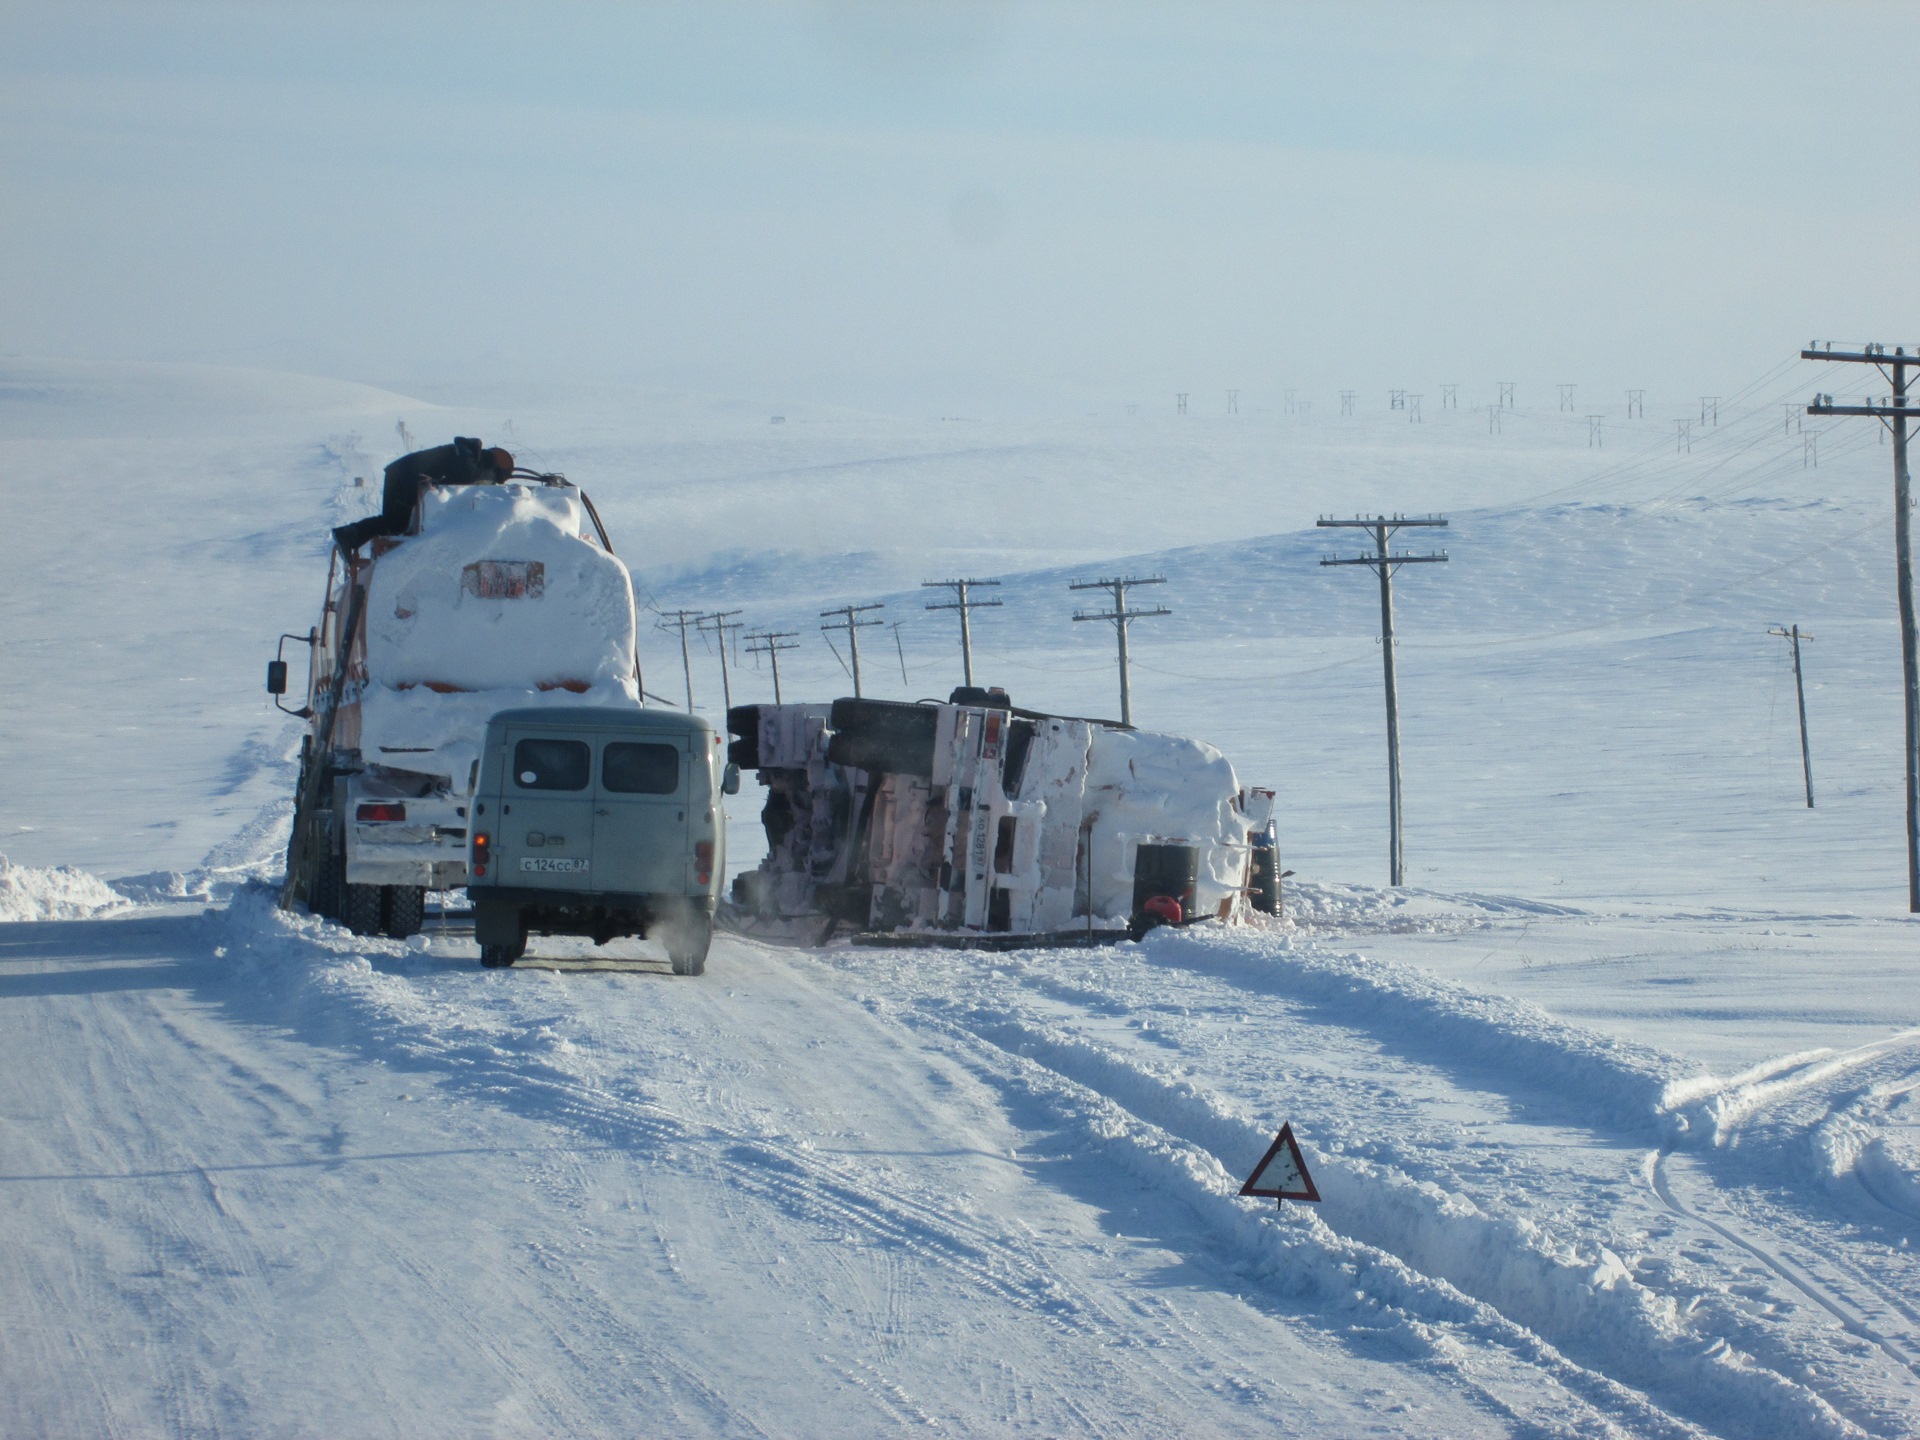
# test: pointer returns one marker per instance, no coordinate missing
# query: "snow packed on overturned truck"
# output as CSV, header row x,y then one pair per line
x,y
972,822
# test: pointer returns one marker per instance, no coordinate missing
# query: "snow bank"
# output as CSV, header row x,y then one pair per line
x,y
1627,1084
501,589
63,893
1408,1249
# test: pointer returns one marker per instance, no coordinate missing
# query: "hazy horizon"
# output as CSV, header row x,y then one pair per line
x,y
998,206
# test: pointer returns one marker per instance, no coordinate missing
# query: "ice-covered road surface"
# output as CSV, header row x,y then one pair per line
x,y
280,1180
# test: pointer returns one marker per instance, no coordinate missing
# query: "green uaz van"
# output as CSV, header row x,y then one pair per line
x,y
602,822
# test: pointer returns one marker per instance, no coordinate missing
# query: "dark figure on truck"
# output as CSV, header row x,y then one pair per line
x,y
461,463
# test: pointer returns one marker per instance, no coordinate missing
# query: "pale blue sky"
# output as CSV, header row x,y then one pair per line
x,y
991,205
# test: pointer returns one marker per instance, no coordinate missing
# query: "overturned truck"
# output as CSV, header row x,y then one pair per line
x,y
974,822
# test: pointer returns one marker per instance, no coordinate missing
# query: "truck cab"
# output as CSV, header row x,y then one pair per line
x,y
598,822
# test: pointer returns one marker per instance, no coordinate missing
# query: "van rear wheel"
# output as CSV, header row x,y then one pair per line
x,y
688,938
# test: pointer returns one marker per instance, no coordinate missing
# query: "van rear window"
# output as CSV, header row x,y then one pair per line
x,y
551,764
639,769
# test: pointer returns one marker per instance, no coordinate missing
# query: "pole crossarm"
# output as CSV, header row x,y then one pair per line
x,y
1121,614
1878,412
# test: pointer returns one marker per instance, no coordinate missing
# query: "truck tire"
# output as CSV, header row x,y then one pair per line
x,y
688,937
406,909
883,736
324,900
360,908
744,722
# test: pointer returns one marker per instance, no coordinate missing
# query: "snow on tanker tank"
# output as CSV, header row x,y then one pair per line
x,y
483,594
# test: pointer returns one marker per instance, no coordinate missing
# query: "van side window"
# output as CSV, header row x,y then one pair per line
x,y
635,769
551,764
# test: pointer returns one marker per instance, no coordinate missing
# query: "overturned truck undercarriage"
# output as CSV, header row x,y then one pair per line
x,y
975,823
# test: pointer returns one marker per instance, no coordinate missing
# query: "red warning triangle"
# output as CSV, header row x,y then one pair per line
x,y
1281,1173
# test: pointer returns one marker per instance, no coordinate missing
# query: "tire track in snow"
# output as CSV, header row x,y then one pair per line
x,y
1507,1267
1655,1171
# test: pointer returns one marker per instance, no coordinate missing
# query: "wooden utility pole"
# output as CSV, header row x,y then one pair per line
x,y
1383,563
851,622
1796,634
965,606
718,621
682,619
1121,618
769,645
1894,417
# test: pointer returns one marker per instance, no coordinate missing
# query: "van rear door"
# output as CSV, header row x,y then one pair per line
x,y
545,835
640,815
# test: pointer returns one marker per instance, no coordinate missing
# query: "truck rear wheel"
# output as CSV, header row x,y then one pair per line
x,y
498,957
406,909
361,907
324,899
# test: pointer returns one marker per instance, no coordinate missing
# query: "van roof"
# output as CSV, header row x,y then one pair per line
x,y
603,717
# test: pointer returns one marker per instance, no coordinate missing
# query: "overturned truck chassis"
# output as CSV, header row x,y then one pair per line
x,y
972,822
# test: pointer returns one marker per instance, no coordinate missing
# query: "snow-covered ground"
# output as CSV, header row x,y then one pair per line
x,y
1612,1108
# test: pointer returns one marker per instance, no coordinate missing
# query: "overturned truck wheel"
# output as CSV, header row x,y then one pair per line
x,y
888,737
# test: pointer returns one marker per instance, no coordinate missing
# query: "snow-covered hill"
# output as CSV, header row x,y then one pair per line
x,y
1612,1108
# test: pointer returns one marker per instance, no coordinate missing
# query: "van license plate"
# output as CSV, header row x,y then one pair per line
x,y
549,866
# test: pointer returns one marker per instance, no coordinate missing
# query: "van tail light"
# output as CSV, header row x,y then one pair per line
x,y
702,861
482,851
380,811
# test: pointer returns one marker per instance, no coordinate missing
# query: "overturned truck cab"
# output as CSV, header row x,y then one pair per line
x,y
973,822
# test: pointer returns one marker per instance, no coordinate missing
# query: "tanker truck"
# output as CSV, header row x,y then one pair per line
x,y
480,588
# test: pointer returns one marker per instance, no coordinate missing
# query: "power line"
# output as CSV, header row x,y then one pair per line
x,y
853,625
966,607
1894,417
1796,634
682,619
718,621
1121,618
1383,563
767,643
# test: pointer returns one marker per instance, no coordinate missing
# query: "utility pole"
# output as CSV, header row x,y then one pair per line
x,y
1290,394
718,621
1893,416
771,647
1493,420
966,607
1683,437
1413,410
1636,404
1121,618
682,619
1383,562
1593,431
1396,399
1709,406
1180,402
853,625
1233,402
1449,397
1346,402
1566,397
1506,394
1796,634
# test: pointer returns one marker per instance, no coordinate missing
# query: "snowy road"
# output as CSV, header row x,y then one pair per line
x,y
300,1183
